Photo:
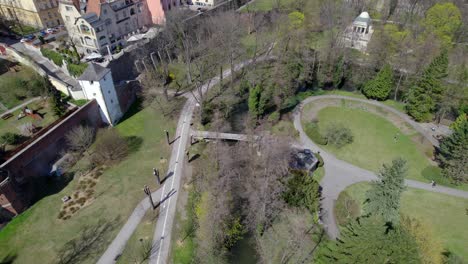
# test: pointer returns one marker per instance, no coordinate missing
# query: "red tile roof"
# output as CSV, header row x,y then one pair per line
x,y
94,6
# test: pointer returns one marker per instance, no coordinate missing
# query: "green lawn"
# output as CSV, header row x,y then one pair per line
x,y
42,107
139,244
14,85
37,236
374,143
445,214
266,5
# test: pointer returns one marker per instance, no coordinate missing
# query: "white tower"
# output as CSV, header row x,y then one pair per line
x,y
97,83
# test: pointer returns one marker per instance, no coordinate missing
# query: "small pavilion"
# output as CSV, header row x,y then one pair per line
x,y
362,23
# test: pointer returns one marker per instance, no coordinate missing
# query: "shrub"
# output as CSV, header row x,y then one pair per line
x,y
10,138
76,69
320,159
274,117
313,133
303,191
110,146
339,135
56,57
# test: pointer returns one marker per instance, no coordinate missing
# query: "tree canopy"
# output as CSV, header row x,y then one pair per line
x,y
383,198
453,153
426,93
443,19
379,88
370,240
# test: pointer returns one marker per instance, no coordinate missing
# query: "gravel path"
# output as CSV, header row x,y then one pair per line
x,y
340,174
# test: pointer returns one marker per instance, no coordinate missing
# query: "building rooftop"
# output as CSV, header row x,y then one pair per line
x,y
363,19
94,72
303,159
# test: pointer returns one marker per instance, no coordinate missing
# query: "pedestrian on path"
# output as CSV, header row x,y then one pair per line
x,y
433,184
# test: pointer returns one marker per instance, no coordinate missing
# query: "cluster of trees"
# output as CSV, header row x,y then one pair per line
x,y
382,234
247,189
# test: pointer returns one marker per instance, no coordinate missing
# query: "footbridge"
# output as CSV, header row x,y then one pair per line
x,y
226,136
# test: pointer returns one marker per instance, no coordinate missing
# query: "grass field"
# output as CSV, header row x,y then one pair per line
x,y
139,245
42,107
446,215
38,236
14,85
266,5
374,143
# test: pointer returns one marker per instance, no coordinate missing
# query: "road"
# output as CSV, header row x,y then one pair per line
x,y
340,174
168,192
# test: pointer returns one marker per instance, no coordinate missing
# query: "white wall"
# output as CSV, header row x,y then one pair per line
x,y
106,96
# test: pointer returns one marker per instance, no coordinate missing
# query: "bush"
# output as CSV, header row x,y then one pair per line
x,y
303,191
339,135
312,131
110,147
10,138
56,57
77,69
320,159
274,117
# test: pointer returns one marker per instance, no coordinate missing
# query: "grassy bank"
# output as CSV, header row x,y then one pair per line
x,y
38,236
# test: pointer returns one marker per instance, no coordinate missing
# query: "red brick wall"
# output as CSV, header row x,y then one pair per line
x,y
37,159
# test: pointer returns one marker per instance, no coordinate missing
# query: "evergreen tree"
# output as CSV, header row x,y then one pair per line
x,y
303,191
370,240
453,153
383,198
58,106
379,88
257,101
427,92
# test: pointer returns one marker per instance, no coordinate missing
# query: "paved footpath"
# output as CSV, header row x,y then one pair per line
x,y
168,193
340,174
21,105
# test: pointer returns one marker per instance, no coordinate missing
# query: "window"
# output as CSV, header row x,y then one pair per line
x,y
108,91
117,16
132,11
68,8
112,101
104,11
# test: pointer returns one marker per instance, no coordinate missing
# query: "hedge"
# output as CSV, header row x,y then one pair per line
x,y
56,57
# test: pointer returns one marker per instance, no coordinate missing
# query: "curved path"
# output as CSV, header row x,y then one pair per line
x,y
340,174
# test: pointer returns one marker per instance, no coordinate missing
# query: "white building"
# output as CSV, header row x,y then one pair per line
x,y
97,83
103,25
358,34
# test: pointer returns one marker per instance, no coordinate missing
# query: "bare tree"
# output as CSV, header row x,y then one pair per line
x,y
110,146
80,138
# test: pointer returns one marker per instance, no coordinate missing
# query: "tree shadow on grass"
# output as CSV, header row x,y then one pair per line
x,y
8,259
48,185
90,242
434,173
134,143
136,107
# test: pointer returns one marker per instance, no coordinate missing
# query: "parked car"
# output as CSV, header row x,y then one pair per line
x,y
28,38
51,30
43,33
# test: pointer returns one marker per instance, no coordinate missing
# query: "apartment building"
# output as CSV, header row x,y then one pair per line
x,y
36,13
102,25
